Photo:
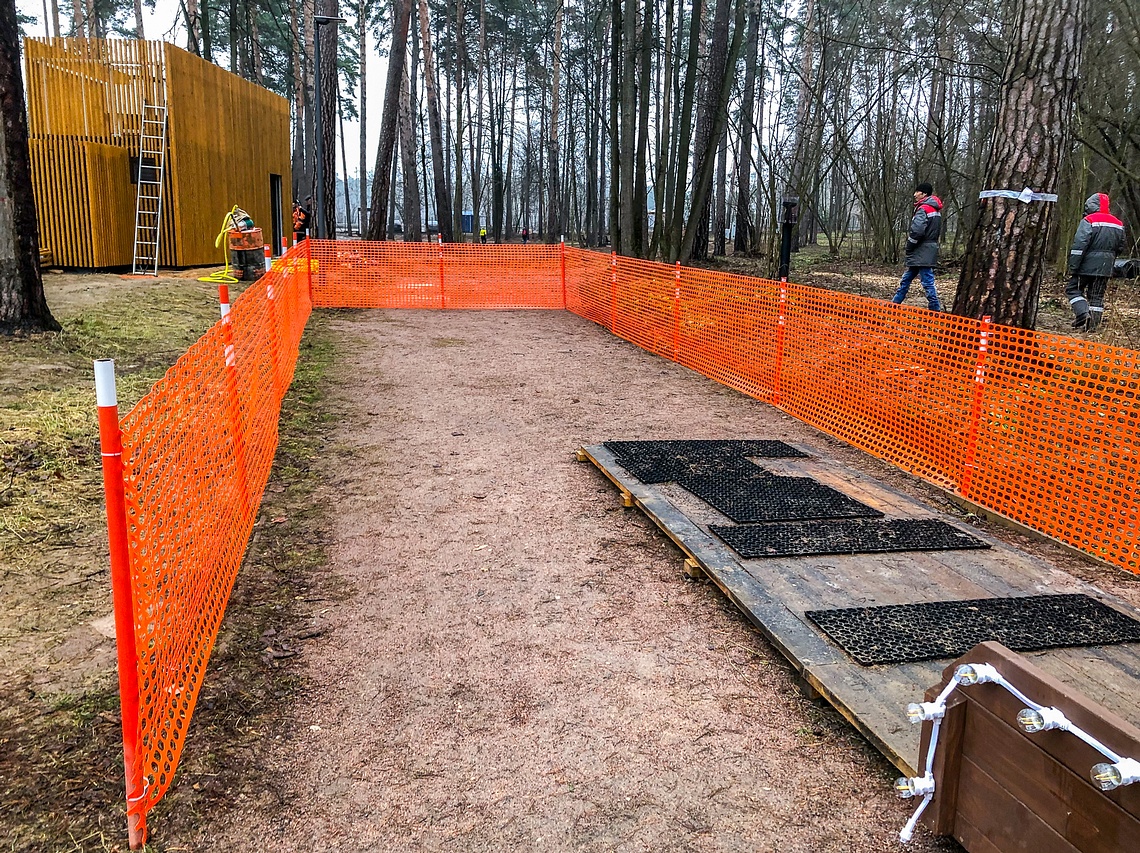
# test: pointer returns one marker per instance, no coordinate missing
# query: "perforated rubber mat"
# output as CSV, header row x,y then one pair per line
x,y
948,629
718,473
845,536
757,496
666,461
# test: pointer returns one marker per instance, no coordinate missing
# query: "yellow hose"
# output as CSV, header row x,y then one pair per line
x,y
223,276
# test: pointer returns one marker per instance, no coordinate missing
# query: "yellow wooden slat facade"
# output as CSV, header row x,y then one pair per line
x,y
226,136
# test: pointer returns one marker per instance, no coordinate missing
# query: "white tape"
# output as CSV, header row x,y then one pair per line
x,y
1026,195
105,394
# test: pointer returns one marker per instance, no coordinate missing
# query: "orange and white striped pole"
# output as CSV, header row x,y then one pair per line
x,y
268,258
284,245
111,447
224,299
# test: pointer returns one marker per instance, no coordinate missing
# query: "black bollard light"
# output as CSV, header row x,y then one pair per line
x,y
791,211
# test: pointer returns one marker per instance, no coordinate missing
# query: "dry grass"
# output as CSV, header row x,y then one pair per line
x,y
60,741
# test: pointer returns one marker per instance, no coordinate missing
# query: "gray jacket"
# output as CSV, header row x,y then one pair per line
x,y
925,229
1098,241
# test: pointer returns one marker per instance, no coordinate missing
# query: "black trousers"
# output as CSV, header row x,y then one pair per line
x,y
1086,297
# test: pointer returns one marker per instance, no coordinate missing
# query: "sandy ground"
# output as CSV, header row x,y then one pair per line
x,y
521,664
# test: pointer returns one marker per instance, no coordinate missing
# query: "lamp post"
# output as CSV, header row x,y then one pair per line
x,y
790,217
322,225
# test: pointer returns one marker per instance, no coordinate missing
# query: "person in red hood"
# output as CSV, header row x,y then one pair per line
x,y
922,246
1098,241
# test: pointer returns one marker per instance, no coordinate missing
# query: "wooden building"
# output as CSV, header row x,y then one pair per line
x,y
226,142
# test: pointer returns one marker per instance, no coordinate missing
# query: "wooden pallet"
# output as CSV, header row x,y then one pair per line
x,y
774,593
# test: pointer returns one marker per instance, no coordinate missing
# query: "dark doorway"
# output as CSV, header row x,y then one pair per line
x,y
275,212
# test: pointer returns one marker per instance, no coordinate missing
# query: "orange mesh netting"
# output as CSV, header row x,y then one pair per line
x,y
197,451
1040,428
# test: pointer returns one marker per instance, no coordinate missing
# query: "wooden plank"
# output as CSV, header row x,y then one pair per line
x,y
998,818
774,593
775,621
1064,800
1102,723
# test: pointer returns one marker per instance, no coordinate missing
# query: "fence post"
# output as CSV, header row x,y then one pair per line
x,y
274,338
562,258
613,292
233,404
111,448
309,266
442,293
677,314
224,299
780,322
966,480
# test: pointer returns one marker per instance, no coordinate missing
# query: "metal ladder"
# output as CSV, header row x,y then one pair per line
x,y
148,198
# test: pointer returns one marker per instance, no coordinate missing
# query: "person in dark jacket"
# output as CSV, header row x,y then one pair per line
x,y
922,246
1098,241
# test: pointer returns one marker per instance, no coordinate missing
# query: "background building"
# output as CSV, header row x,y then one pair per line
x,y
226,142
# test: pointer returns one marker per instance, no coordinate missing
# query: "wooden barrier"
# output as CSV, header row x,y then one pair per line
x,y
999,788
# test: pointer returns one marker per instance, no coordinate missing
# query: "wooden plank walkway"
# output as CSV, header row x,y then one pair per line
x,y
774,593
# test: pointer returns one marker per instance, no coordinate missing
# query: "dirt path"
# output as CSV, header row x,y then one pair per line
x,y
520,664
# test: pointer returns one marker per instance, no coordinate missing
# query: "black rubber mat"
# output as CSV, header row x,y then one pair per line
x,y
756,496
948,629
719,473
666,461
846,536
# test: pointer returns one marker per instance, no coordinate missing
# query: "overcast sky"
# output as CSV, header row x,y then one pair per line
x,y
163,22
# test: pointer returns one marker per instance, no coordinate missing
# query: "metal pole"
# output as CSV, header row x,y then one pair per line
x,y
320,130
790,217
111,446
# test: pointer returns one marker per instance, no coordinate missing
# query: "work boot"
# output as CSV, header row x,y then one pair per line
x,y
1080,322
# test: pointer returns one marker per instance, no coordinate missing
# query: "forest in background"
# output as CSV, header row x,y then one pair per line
x,y
673,129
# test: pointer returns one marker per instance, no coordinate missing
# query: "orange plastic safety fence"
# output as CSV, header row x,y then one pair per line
x,y
358,274
1040,428
197,451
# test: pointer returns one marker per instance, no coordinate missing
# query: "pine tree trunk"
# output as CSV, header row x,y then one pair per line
x,y
382,174
671,239
308,175
139,34
554,206
22,304
300,90
744,240
329,86
1007,258
362,44
639,243
720,209
435,130
721,67
411,210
